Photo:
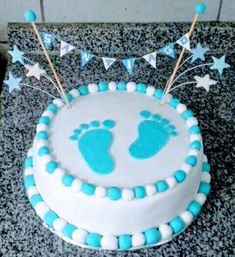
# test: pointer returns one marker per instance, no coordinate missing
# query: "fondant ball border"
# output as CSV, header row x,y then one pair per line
x,y
79,236
116,193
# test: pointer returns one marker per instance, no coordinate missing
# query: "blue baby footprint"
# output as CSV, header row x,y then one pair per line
x,y
94,143
153,134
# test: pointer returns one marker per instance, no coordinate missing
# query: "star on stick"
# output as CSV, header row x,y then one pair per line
x,y
205,82
17,55
199,52
13,82
219,64
34,71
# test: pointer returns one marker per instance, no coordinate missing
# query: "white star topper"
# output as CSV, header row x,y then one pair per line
x,y
34,70
205,82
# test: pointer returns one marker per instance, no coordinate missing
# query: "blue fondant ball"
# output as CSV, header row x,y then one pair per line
x,y
30,16
200,8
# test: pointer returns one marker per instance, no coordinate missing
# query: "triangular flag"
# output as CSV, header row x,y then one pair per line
x,y
65,48
129,64
151,58
108,62
169,50
184,41
48,39
85,58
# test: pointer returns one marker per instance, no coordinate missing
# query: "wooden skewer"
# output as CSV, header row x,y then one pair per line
x,y
50,63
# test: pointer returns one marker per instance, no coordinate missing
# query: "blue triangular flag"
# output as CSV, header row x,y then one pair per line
x,y
169,50
184,41
48,39
129,64
151,58
85,58
108,62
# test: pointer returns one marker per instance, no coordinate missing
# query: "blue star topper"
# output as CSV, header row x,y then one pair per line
x,y
199,52
17,55
13,82
219,64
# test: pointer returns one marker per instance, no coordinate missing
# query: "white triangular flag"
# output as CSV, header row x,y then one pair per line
x,y
108,62
151,58
65,48
184,41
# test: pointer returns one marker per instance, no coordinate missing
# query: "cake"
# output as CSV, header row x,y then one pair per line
x,y
117,170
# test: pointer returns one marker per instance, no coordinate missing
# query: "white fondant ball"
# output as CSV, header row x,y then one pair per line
x,y
41,127
59,224
150,90
32,191
92,88
59,173
194,152
205,158
171,181
41,143
127,194
100,191
195,137
201,198
41,209
191,121
187,217
131,86
206,177
45,159
76,185
79,235
109,242
186,168
150,189
74,92
138,240
58,102
165,231
30,152
28,171
48,113
112,86
181,108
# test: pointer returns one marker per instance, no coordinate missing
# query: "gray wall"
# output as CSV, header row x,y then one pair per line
x,y
112,11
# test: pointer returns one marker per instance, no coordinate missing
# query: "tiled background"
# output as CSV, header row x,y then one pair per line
x,y
112,11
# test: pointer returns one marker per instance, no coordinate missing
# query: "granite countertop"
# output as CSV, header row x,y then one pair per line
x,y
212,233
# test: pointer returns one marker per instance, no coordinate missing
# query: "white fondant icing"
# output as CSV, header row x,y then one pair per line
x,y
74,92
131,86
181,108
186,168
150,189
100,191
41,143
194,152
41,209
41,127
59,224
187,217
127,194
28,171
138,240
48,113
45,159
59,173
205,158
112,86
30,152
109,242
77,185
201,198
195,137
171,181
206,177
150,90
58,102
165,231
92,88
79,235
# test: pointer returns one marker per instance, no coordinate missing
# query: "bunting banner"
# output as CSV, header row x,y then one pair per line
x,y
129,64
48,40
169,50
151,58
184,42
108,62
85,58
65,48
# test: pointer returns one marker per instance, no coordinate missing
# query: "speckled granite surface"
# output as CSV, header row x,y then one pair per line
x,y
212,233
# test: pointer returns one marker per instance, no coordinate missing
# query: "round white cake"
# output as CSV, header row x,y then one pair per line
x,y
117,170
